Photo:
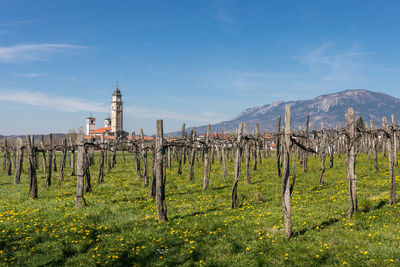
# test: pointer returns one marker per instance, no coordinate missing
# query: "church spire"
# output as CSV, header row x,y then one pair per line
x,y
117,91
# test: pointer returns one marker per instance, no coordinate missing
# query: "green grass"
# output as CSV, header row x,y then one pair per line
x,y
119,225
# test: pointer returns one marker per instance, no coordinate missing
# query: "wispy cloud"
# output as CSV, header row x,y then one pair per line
x,y
333,65
28,74
59,103
17,22
205,117
222,15
32,52
32,75
68,104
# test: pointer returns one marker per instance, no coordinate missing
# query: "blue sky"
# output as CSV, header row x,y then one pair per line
x,y
188,61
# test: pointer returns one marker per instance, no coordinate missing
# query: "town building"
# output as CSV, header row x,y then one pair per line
x,y
113,125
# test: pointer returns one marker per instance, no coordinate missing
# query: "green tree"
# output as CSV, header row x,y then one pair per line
x,y
360,126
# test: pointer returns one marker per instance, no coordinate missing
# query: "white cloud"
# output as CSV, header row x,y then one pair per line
x,y
30,74
32,52
205,117
68,104
332,65
53,102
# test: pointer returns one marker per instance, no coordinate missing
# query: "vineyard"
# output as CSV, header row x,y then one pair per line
x,y
325,197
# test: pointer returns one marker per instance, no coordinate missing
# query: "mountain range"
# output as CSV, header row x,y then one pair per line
x,y
329,109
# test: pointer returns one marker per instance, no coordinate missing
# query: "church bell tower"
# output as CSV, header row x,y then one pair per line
x,y
116,111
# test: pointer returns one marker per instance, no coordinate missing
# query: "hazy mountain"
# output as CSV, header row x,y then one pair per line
x,y
327,108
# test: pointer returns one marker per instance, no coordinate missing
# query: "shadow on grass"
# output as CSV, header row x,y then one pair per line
x,y
321,225
366,208
193,214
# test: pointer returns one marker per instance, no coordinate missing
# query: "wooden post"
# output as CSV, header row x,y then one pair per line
x,y
54,160
238,155
193,154
63,158
87,184
80,168
72,147
180,152
152,191
331,152
18,161
322,145
396,163
33,188
247,156
391,151
114,150
351,161
223,159
100,178
160,179
278,147
374,146
137,156
44,162
286,173
7,157
144,159
108,159
305,153
169,158
50,161
206,177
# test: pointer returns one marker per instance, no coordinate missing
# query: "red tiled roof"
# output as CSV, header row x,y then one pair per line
x,y
101,130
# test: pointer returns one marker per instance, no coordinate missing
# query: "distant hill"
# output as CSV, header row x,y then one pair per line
x,y
45,136
329,108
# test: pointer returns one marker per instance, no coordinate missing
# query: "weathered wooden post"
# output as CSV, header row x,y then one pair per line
x,y
7,157
323,153
100,178
169,156
206,178
160,179
351,160
44,161
63,158
87,184
374,146
144,159
137,155
50,161
238,155
152,189
278,147
108,157
391,150
72,147
223,157
286,173
33,188
114,150
331,150
18,161
80,168
180,151
54,160
257,152
247,155
396,163
305,153
193,154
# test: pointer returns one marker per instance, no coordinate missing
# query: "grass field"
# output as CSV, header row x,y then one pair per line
x,y
119,226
